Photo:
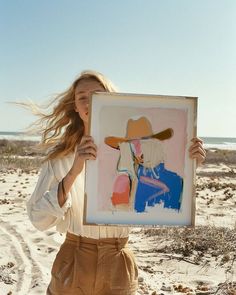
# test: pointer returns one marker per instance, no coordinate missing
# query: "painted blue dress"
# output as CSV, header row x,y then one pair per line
x,y
148,194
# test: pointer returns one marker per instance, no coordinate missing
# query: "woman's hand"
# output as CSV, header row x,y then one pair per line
x,y
196,150
86,150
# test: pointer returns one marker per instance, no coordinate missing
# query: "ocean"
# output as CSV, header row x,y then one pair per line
x,y
223,143
18,136
226,143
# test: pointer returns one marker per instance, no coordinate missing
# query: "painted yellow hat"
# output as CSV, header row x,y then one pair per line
x,y
138,129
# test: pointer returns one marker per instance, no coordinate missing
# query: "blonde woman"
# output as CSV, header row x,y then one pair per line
x,y
93,259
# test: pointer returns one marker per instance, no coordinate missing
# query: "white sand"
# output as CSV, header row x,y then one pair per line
x,y
26,254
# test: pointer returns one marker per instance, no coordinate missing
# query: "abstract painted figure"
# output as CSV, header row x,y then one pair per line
x,y
144,180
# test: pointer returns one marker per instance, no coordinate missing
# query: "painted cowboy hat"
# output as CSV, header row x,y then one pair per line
x,y
138,129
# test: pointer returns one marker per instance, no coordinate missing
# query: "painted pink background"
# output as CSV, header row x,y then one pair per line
x,y
160,120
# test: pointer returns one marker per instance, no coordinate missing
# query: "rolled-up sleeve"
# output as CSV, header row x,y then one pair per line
x,y
43,208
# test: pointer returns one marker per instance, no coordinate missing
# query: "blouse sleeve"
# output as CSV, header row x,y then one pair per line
x,y
43,208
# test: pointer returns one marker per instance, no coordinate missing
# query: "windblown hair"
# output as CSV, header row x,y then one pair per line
x,y
62,129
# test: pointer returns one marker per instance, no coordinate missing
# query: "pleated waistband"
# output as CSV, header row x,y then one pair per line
x,y
118,242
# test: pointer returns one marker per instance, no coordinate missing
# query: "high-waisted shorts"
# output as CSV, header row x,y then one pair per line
x,y
86,266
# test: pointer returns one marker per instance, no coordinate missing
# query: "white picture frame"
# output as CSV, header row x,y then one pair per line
x,y
124,127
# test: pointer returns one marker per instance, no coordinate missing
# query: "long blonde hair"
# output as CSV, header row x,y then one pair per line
x,y
62,129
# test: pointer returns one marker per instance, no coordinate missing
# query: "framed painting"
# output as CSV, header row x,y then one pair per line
x,y
143,174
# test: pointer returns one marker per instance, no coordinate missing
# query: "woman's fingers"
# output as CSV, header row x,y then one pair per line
x,y
197,151
196,143
197,147
199,155
87,144
87,149
85,140
196,139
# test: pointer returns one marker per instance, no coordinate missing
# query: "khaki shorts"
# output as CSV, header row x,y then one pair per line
x,y
85,266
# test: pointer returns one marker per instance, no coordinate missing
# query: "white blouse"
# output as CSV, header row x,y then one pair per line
x,y
45,212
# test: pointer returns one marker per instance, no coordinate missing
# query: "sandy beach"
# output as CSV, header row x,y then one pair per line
x,y
200,260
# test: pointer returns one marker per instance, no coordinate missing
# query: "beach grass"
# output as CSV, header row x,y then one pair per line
x,y
217,241
216,156
19,154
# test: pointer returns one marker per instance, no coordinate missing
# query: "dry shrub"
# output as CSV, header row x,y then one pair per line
x,y
17,147
227,288
25,164
216,241
19,154
217,156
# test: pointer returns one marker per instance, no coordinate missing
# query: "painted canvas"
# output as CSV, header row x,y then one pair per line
x,y
143,175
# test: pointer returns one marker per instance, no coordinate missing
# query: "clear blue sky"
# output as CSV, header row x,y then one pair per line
x,y
175,47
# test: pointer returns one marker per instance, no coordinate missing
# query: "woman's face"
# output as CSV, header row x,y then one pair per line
x,y
83,91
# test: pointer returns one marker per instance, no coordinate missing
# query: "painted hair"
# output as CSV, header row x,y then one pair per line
x,y
62,129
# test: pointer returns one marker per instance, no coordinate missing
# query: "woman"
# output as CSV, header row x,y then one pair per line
x,y
93,259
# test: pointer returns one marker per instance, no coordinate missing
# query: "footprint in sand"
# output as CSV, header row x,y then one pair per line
x,y
28,267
